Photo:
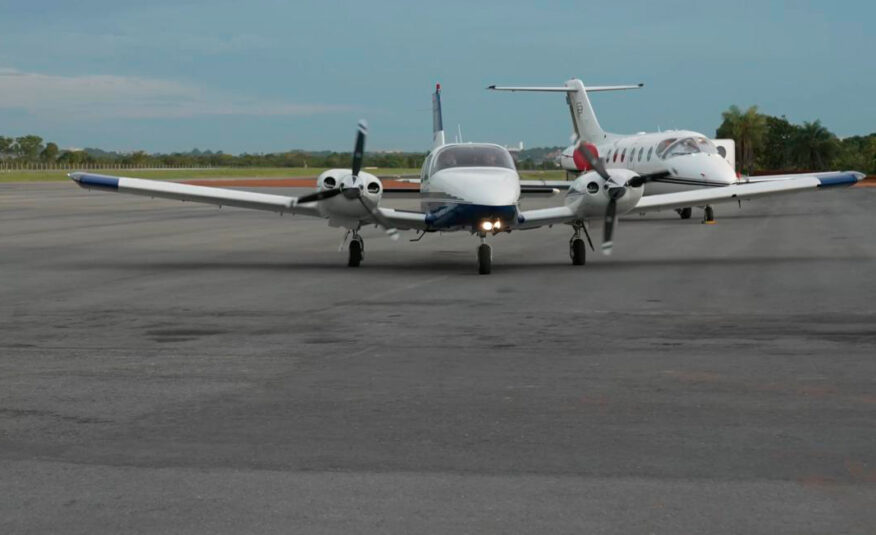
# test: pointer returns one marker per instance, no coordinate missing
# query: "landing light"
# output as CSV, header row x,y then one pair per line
x,y
487,225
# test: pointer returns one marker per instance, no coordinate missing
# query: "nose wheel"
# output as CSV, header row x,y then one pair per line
x,y
485,258
356,250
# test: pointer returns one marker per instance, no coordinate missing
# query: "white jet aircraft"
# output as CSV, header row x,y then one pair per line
x,y
470,187
691,159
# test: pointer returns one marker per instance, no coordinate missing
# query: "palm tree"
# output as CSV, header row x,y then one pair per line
x,y
747,129
814,146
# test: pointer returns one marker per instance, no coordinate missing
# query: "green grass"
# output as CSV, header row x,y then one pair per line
x,y
228,172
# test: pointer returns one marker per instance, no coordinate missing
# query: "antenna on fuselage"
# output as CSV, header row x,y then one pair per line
x,y
459,132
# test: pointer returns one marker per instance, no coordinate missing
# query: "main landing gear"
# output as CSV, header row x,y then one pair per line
x,y
485,257
709,216
356,249
685,213
577,249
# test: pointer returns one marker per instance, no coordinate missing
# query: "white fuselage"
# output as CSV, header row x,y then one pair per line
x,y
692,165
463,184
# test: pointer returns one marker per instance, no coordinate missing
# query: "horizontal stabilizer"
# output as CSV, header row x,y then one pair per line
x,y
589,89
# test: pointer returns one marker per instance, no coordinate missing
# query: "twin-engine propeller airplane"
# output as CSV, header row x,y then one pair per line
x,y
470,187
689,159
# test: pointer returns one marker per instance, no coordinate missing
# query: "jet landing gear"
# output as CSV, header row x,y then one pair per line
x,y
708,216
685,213
357,250
485,257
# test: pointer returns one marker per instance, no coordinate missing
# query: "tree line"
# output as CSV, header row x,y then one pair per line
x,y
31,149
765,143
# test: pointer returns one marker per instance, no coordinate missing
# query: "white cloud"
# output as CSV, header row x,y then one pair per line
x,y
109,96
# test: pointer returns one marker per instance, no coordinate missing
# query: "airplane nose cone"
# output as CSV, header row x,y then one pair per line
x,y
484,186
709,167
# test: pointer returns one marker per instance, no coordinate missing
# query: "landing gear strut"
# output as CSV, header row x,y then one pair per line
x,y
709,216
685,213
485,258
357,250
577,251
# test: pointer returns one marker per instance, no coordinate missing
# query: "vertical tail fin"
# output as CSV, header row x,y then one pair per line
x,y
583,117
437,119
584,120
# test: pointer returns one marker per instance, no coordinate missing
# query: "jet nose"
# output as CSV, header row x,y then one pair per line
x,y
706,167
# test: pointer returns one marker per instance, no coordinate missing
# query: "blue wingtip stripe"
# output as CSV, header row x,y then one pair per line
x,y
98,181
839,179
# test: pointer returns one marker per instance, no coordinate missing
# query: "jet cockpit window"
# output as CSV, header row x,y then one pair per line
x,y
473,156
690,145
662,146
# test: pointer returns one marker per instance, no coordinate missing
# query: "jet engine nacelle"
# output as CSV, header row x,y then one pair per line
x,y
572,160
346,210
589,194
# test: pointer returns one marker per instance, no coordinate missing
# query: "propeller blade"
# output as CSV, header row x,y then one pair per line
x,y
596,163
608,226
359,151
637,181
318,196
391,231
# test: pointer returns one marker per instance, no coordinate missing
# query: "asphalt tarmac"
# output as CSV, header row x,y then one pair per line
x,y
172,367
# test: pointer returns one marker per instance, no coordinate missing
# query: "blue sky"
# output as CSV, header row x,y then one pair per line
x,y
269,75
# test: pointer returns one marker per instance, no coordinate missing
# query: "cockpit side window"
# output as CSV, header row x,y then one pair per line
x,y
691,145
473,156
663,145
424,171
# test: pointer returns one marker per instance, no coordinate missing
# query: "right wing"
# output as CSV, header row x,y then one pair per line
x,y
742,192
202,194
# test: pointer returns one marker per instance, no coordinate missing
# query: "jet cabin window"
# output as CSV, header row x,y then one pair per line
x,y
690,145
473,156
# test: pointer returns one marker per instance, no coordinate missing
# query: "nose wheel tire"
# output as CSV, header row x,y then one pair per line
x,y
485,259
578,252
685,213
357,248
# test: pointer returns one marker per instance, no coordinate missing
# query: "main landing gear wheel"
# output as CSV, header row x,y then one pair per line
x,y
709,216
685,213
578,252
357,248
485,259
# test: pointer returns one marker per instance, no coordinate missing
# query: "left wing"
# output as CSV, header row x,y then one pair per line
x,y
201,194
741,192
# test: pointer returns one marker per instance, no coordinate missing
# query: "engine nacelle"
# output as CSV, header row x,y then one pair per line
x,y
572,160
588,195
342,210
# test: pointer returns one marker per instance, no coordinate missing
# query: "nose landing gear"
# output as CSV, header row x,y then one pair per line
x,y
485,257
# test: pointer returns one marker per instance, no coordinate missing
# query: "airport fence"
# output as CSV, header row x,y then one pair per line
x,y
17,167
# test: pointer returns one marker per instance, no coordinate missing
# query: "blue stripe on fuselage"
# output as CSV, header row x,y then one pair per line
x,y
446,216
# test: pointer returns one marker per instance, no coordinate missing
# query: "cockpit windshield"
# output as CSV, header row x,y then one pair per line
x,y
690,145
473,156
